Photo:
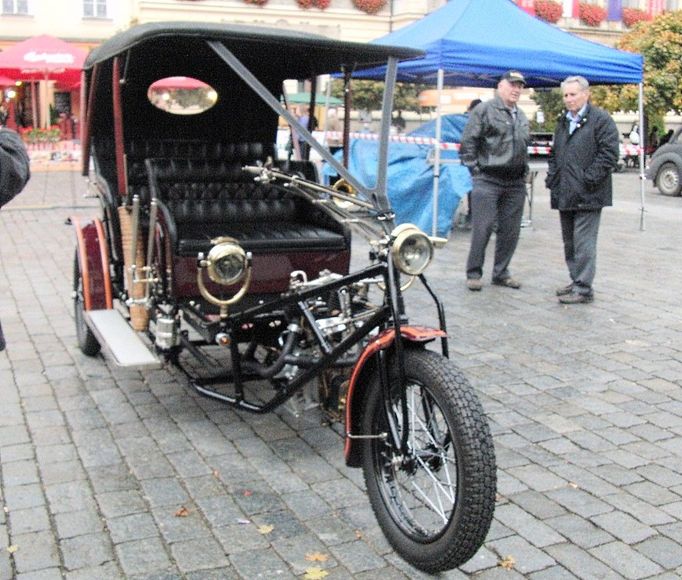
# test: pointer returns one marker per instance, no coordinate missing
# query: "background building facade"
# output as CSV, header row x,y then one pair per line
x,y
86,23
89,21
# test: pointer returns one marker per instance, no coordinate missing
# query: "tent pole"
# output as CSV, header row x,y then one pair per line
x,y
436,156
642,142
327,98
347,103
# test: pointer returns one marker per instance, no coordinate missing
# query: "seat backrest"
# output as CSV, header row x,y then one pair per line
x,y
218,153
217,191
138,150
191,149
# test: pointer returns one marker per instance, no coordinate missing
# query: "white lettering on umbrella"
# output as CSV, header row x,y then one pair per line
x,y
49,58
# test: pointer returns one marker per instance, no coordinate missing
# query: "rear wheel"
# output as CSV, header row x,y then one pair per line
x,y
668,179
86,339
435,503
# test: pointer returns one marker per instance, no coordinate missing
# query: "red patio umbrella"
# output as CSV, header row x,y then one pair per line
x,y
43,58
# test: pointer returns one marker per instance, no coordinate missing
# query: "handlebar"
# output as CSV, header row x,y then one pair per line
x,y
266,174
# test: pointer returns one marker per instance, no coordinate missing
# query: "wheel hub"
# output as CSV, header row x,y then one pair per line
x,y
670,178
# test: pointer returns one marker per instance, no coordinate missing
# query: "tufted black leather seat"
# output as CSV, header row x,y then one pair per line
x,y
137,151
202,199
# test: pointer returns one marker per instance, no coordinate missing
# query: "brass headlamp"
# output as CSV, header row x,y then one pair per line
x,y
226,264
412,249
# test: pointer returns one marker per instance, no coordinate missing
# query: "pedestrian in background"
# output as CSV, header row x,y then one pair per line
x,y
14,174
495,149
309,122
583,157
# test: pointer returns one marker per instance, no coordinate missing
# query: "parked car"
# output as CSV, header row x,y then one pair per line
x,y
212,256
665,166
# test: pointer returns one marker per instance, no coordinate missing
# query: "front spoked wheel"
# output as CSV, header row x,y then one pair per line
x,y
434,503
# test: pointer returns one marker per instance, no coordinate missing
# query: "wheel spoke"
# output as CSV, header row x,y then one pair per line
x,y
446,489
425,428
439,510
425,483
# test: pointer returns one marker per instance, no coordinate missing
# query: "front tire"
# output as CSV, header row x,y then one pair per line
x,y
86,339
436,504
668,179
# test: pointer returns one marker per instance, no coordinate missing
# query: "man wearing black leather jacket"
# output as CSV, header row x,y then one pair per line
x,y
14,173
495,149
584,155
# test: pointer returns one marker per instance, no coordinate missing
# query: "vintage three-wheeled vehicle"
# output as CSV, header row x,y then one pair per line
x,y
213,256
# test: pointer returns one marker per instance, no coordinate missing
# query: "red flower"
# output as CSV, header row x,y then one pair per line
x,y
369,6
632,16
548,10
321,4
591,14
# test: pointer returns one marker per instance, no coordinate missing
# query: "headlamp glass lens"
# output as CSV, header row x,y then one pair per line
x,y
412,249
229,268
226,263
415,254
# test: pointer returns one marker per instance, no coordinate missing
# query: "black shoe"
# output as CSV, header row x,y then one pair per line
x,y
575,298
564,290
2,340
507,283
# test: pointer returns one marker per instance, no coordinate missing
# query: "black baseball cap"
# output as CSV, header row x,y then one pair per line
x,y
513,76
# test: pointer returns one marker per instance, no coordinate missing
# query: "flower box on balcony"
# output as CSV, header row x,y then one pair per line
x,y
369,6
632,16
321,4
548,10
591,14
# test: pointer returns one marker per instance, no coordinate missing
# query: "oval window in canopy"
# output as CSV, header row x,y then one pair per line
x,y
182,95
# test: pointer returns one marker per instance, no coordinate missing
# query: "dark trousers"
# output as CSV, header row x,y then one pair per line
x,y
2,339
494,201
579,231
304,148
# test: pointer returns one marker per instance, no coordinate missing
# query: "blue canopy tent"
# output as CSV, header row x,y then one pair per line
x,y
471,43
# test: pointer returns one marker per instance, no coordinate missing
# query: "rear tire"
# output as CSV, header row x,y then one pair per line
x,y
668,179
435,505
87,342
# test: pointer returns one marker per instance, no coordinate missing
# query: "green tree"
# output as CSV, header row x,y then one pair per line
x,y
551,104
367,95
660,43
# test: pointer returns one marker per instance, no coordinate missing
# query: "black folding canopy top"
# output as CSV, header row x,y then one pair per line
x,y
153,51
246,65
302,54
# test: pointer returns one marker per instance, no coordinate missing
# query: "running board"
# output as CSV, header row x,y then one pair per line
x,y
117,337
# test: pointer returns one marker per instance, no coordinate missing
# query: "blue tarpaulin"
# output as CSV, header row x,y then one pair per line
x,y
410,175
475,41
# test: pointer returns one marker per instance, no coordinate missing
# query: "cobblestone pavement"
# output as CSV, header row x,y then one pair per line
x,y
585,404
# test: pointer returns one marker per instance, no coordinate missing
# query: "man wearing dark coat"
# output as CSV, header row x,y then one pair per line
x,y
584,154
